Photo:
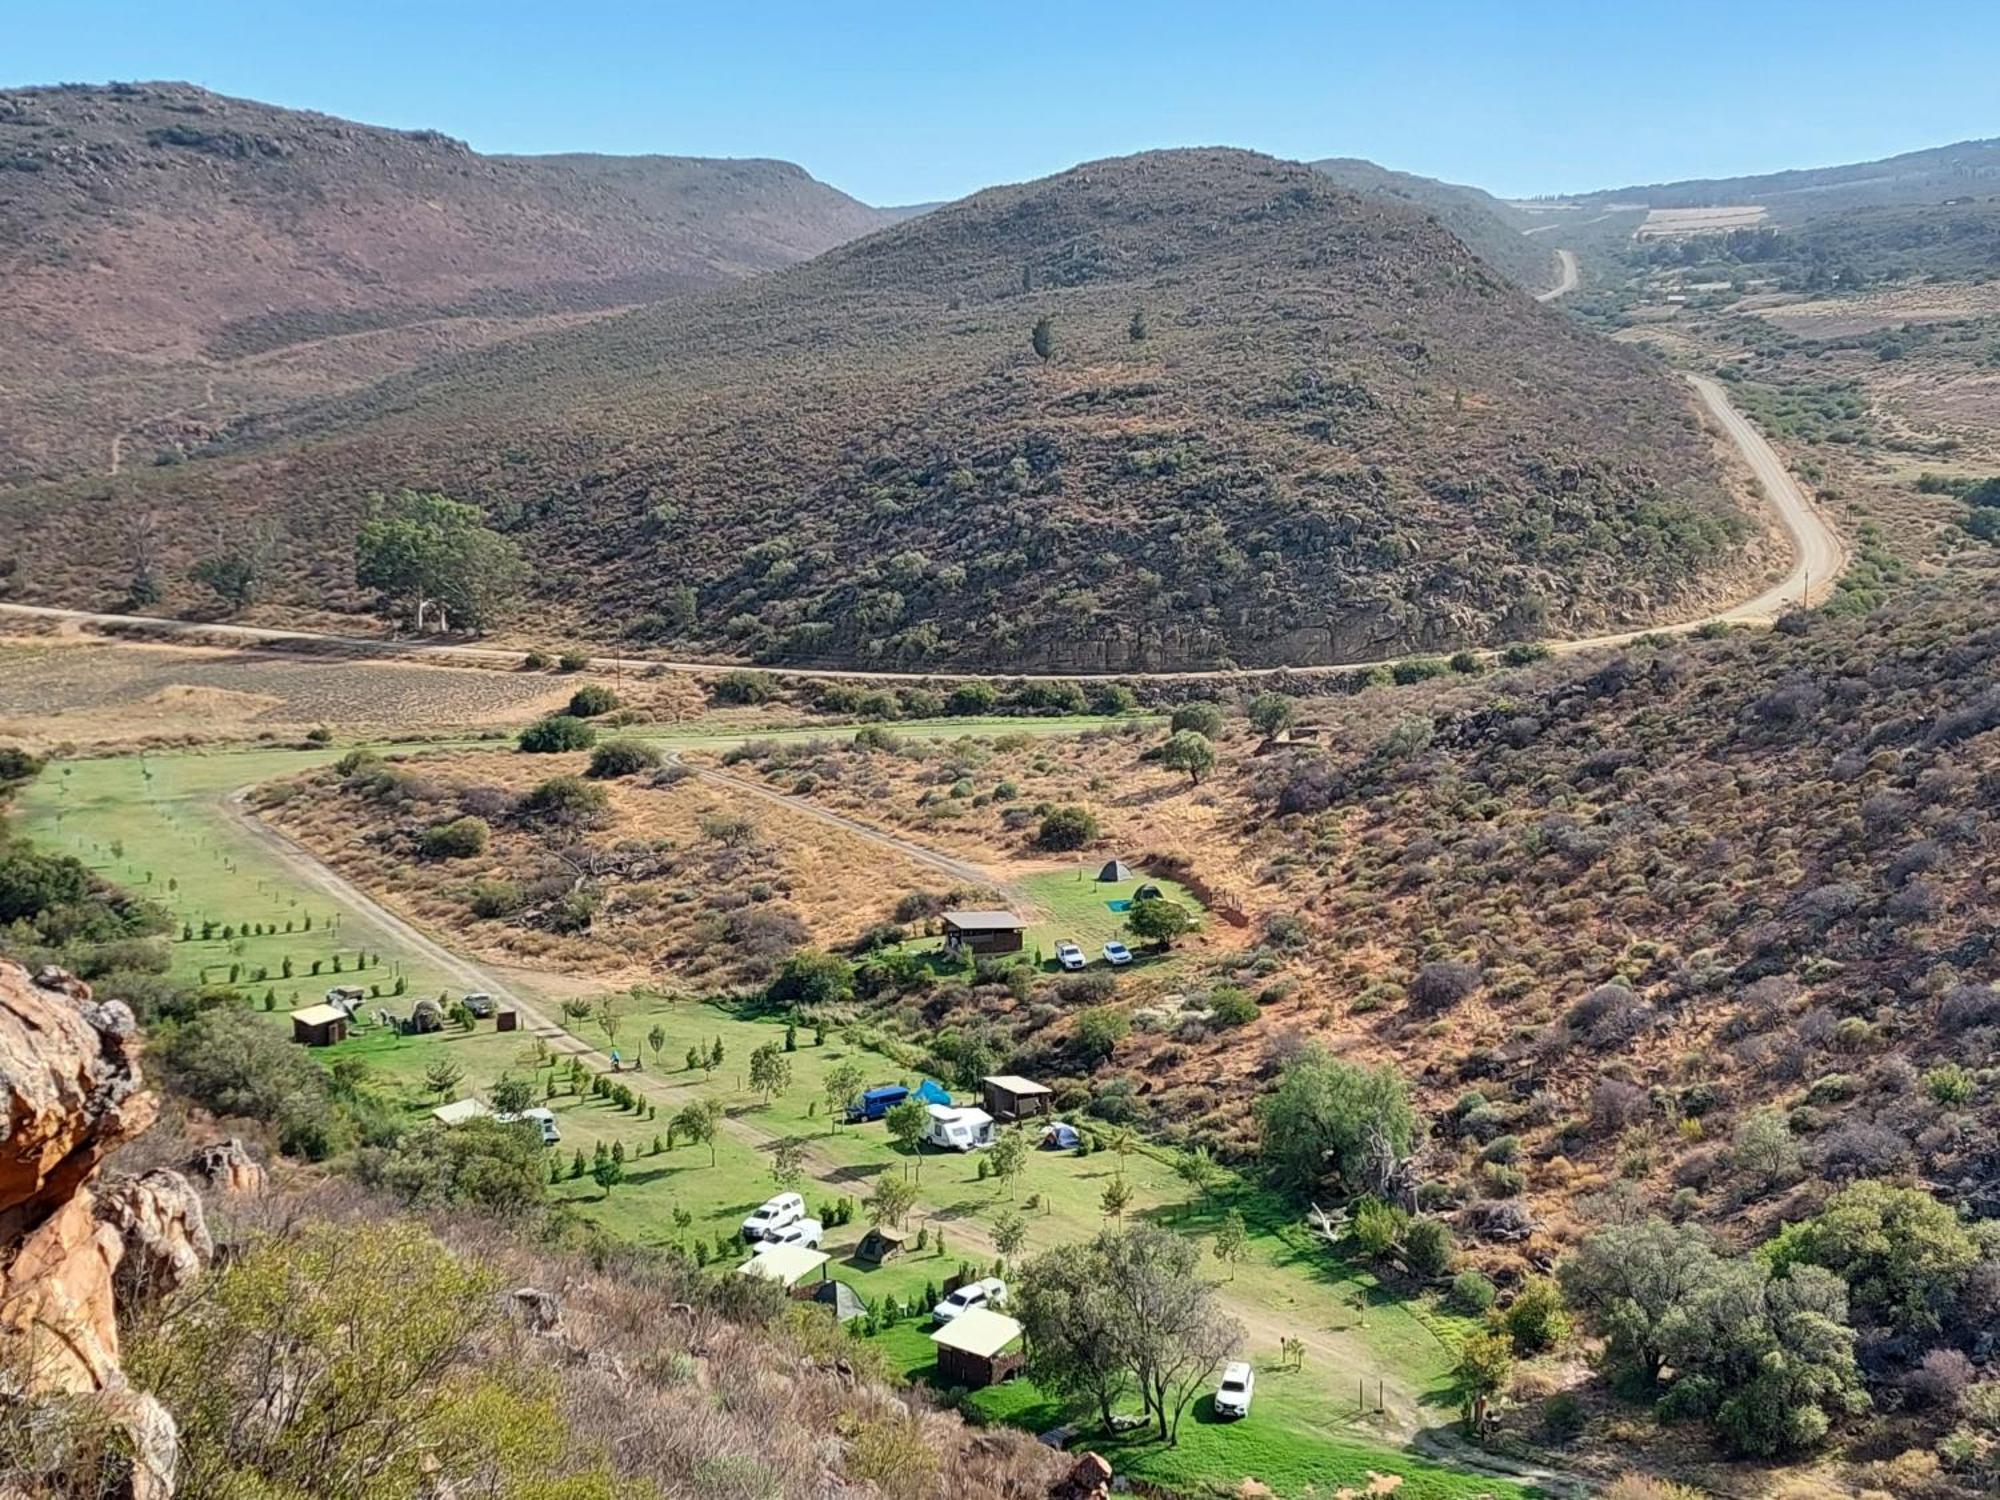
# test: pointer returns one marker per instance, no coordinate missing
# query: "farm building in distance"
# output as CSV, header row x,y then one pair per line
x,y
1011,1098
319,1025
978,1348
983,932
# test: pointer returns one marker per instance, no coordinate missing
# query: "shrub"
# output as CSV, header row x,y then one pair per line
x,y
1428,1246
1202,718
1065,828
1443,984
1949,1084
1471,1293
572,661
615,758
461,838
1376,1226
556,733
565,800
1228,1007
1535,1319
743,687
496,898
590,700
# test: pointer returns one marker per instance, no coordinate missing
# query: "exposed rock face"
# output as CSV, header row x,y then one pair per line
x,y
227,1167
162,1233
69,1093
1089,1480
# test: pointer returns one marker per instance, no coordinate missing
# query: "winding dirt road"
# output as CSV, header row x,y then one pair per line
x,y
1819,557
1566,276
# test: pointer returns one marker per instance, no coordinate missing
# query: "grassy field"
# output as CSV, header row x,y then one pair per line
x,y
161,825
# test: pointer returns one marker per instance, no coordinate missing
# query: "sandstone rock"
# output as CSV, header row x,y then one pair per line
x,y
227,1167
69,1093
540,1310
162,1233
1089,1479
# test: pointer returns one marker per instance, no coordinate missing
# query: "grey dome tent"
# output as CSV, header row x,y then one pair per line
x,y
1114,870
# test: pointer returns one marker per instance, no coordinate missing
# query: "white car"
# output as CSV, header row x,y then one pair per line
x,y
990,1292
1069,955
1232,1397
772,1215
543,1120
479,1003
1117,955
807,1232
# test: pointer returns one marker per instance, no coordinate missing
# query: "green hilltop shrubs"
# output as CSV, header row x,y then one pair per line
x,y
556,733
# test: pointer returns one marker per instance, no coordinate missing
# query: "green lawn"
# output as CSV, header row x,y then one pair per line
x,y
159,826
1297,1439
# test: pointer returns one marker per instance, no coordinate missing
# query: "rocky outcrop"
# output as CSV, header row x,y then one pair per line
x,y
162,1236
70,1091
227,1167
1089,1479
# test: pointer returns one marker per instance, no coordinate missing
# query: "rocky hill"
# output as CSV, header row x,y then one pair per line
x,y
167,250
1929,176
1489,228
1276,421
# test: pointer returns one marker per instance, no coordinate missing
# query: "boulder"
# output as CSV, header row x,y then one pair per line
x,y
162,1234
1088,1479
227,1167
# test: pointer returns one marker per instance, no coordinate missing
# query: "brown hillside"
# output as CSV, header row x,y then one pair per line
x,y
159,244
1342,436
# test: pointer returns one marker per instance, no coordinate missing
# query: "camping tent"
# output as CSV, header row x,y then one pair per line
x,y
932,1092
1149,893
1114,871
1060,1137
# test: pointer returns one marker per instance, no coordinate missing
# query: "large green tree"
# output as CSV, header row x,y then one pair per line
x,y
1904,1255
1329,1119
434,559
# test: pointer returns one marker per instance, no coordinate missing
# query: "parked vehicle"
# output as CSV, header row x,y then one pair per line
x,y
543,1120
966,1129
1069,955
1232,1397
876,1103
479,1003
1117,954
772,1215
807,1232
990,1292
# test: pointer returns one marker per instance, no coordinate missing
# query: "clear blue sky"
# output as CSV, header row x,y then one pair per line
x,y
906,102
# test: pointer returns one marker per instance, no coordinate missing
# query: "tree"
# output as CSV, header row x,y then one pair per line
x,y
699,1122
890,1201
1485,1365
1904,1255
591,700
1232,1240
1329,1118
1065,828
788,1162
1010,1234
810,981
1376,1226
1043,339
1075,1328
608,1020
843,1084
1199,717
433,558
770,1070
1009,1157
1159,922
1196,1168
552,734
235,576
1190,752
607,1172
1428,1246
576,1010
1633,1282
908,1123
511,1096
1116,1198
1136,330
1271,712
657,1040
443,1077
1175,1337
